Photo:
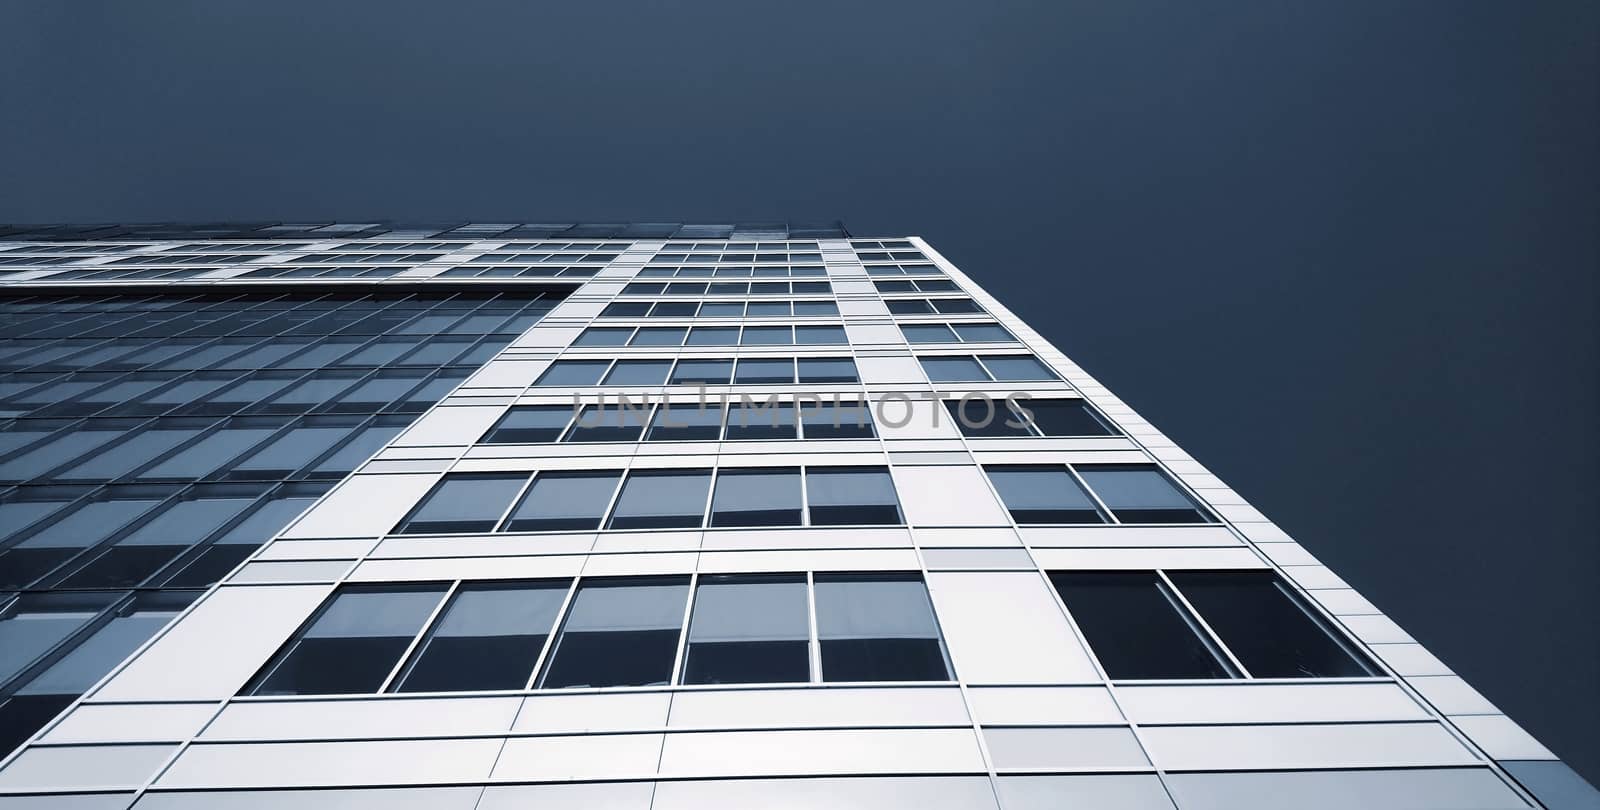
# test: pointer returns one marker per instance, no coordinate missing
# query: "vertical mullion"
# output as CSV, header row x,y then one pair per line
x,y
683,631
556,627
1198,624
416,641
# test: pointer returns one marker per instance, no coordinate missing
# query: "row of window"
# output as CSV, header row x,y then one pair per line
x,y
739,246
531,424
734,271
978,332
517,271
220,393
502,257
747,370
775,628
718,309
728,288
133,536
927,285
985,368
694,421
656,499
244,448
734,256
288,352
621,632
881,244
890,255
672,498
821,335
929,306
903,270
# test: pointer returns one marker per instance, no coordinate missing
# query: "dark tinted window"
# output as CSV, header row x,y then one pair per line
x,y
619,633
564,501
836,420
851,496
691,421
749,629
464,502
352,644
1138,494
877,628
756,497
530,424
662,499
1043,494
1136,627
1267,627
489,637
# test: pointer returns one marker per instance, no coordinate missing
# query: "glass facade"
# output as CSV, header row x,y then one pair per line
x,y
646,516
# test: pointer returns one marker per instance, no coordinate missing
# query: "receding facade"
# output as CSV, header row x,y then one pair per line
x,y
647,517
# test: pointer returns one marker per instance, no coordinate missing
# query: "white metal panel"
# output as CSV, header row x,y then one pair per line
x,y
1063,748
947,496
1303,746
590,796
778,753
1004,627
146,722
363,506
1128,536
1042,705
291,571
1420,789
84,767
1500,737
801,708
1268,703
1089,791
889,369
310,764
592,713
218,646
869,793
341,719
451,427
1451,695
593,756
468,568
1137,559
407,798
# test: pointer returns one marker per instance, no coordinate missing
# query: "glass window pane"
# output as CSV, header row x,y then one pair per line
x,y
291,451
350,646
982,416
714,335
816,308
820,335
662,499
722,309
749,629
137,451
638,372
767,336
836,420
927,333
38,624
464,502
564,501
209,453
851,496
659,336
1141,495
752,371
710,372
619,633
982,332
1008,367
764,420
604,336
877,628
953,369
573,372
1043,495
358,449
608,423
530,424
1267,627
1135,627
827,370
756,497
96,655
685,422
1065,417
489,637
955,306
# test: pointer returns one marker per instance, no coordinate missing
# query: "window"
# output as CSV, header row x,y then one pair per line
x,y
573,372
638,372
681,422
1140,494
955,333
764,371
564,501
828,370
489,637
756,497
352,644
851,496
1139,626
714,336
877,628
836,420
1043,494
619,633
953,369
981,416
1267,628
662,499
708,372
766,420
659,336
1132,623
749,629
820,335
1000,367
608,423
530,424
604,336
464,502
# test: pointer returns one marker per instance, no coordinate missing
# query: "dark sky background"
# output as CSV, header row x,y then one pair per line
x,y
1343,252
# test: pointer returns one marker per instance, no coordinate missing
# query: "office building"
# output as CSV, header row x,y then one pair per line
x,y
647,517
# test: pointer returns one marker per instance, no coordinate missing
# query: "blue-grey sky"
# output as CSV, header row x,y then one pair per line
x,y
1343,252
